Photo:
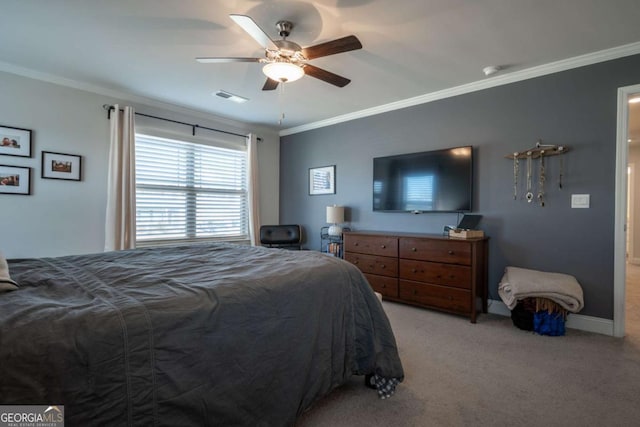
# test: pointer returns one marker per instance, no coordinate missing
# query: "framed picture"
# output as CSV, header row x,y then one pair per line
x,y
15,180
322,180
61,166
15,142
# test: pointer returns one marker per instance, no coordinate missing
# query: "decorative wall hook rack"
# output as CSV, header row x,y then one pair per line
x,y
539,149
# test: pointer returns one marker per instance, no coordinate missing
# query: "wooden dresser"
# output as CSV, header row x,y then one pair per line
x,y
422,269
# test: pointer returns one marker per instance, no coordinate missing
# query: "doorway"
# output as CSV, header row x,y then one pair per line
x,y
632,256
626,315
632,278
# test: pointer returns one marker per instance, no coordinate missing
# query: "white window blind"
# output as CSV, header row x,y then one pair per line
x,y
187,191
418,192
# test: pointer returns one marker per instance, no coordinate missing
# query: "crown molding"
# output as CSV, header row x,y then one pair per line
x,y
131,97
498,80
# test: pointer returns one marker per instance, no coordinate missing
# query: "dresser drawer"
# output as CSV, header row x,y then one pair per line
x,y
380,265
371,245
425,270
387,286
448,251
436,273
436,296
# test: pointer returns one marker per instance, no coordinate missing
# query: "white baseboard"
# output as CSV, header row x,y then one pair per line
x,y
498,307
574,321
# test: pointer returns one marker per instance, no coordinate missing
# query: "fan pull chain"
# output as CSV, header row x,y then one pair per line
x,y
281,103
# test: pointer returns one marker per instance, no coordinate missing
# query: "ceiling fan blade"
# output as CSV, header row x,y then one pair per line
x,y
206,60
250,26
326,76
270,84
345,44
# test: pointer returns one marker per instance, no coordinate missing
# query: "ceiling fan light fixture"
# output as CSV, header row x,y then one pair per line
x,y
283,71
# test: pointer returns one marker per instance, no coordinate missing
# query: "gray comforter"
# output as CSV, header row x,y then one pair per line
x,y
218,335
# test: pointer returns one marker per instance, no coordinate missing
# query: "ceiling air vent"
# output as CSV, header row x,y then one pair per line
x,y
231,97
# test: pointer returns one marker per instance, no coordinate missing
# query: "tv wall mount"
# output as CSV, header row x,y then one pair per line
x,y
540,151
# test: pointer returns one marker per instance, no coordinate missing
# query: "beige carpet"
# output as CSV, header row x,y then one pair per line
x,y
493,374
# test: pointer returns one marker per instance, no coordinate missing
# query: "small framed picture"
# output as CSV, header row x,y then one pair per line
x,y
322,180
15,141
15,180
61,166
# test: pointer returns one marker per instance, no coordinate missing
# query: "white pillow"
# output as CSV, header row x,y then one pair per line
x,y
6,284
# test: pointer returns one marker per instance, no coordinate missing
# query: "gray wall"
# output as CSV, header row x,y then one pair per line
x,y
576,108
67,217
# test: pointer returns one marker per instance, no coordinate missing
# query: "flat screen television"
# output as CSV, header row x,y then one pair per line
x,y
430,181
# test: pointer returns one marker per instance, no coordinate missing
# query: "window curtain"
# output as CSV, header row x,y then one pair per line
x,y
120,228
254,190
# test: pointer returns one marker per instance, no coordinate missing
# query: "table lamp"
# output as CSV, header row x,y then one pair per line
x,y
335,216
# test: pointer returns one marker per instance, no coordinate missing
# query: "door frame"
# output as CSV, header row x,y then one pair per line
x,y
631,176
620,242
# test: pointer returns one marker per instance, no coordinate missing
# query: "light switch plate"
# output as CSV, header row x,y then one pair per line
x,y
580,201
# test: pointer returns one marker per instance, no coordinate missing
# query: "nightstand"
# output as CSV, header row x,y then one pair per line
x,y
332,245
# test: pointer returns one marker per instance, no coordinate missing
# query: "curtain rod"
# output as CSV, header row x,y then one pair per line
x,y
193,127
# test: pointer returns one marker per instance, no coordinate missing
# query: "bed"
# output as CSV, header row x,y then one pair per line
x,y
207,334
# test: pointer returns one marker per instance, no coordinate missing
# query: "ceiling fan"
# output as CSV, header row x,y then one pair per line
x,y
286,61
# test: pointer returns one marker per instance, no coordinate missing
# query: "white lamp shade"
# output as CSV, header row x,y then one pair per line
x,y
335,214
283,71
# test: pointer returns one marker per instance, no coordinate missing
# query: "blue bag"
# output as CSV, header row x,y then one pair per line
x,y
545,323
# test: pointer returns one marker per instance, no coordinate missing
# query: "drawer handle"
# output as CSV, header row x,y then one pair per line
x,y
450,298
384,286
355,244
414,271
382,266
355,262
450,252
438,277
413,249
415,292
451,276
383,246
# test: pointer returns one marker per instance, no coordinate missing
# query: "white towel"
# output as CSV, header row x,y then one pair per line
x,y
6,284
519,283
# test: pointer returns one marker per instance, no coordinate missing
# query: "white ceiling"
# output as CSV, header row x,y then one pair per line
x,y
411,47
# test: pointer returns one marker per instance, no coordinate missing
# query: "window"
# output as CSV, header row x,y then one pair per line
x,y
187,191
418,192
